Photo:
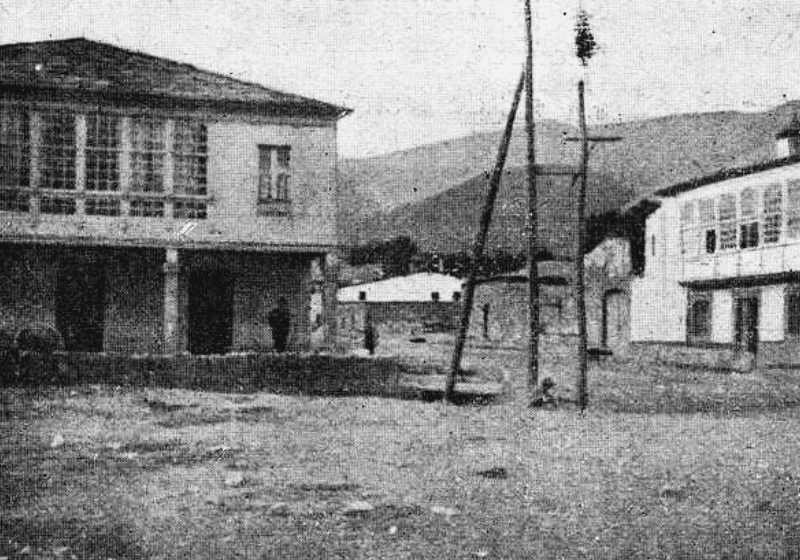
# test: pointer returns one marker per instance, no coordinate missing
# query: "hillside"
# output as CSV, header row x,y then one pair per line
x,y
396,178
434,192
447,221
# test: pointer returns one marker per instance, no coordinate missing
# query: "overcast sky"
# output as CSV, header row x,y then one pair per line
x,y
416,71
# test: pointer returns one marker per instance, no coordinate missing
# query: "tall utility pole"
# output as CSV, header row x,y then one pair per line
x,y
580,282
582,337
480,243
533,222
585,49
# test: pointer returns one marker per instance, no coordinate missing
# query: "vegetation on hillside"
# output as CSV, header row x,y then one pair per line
x,y
400,256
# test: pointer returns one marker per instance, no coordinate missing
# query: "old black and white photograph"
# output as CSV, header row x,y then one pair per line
x,y
399,279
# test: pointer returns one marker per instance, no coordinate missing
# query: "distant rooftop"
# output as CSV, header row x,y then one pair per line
x,y
83,66
414,287
551,273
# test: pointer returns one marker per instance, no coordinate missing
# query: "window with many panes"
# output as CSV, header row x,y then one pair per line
x,y
102,206
57,205
57,151
708,225
793,210
147,208
773,213
727,222
190,209
748,227
190,155
273,173
102,152
150,143
13,200
14,158
148,147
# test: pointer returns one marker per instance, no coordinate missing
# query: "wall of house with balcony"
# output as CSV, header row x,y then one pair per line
x,y
122,175
711,242
748,226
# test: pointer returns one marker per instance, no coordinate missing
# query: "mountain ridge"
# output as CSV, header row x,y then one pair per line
x,y
399,193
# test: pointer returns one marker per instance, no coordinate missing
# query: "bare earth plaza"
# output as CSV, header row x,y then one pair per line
x,y
316,281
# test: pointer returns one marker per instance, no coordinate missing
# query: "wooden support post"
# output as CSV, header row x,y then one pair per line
x,y
171,303
533,220
480,242
80,165
330,324
581,249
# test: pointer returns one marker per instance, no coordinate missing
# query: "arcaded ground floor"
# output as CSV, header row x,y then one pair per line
x,y
158,301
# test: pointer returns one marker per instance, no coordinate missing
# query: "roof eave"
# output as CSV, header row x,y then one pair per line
x,y
724,175
305,108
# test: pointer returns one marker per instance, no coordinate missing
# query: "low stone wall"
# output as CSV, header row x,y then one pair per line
x,y
723,358
289,373
399,317
785,354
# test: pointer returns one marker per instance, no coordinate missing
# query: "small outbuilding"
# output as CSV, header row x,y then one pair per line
x,y
415,303
500,309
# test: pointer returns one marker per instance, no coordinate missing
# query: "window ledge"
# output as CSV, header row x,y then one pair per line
x,y
274,207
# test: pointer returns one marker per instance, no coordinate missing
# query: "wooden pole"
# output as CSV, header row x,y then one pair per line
x,y
581,249
533,222
480,243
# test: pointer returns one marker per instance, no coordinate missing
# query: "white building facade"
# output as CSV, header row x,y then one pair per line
x,y
722,265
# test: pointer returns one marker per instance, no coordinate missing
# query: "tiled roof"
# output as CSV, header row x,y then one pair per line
x,y
724,175
81,65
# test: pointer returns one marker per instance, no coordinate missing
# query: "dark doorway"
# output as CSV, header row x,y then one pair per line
x,y
210,312
80,303
747,323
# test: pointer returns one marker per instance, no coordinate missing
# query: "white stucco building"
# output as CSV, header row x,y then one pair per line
x,y
407,304
722,265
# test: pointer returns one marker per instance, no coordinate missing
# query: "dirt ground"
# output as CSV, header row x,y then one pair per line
x,y
666,463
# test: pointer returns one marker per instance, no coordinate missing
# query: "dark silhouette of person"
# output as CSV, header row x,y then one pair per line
x,y
370,334
280,321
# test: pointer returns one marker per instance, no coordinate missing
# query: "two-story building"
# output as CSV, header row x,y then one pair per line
x,y
148,206
722,269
